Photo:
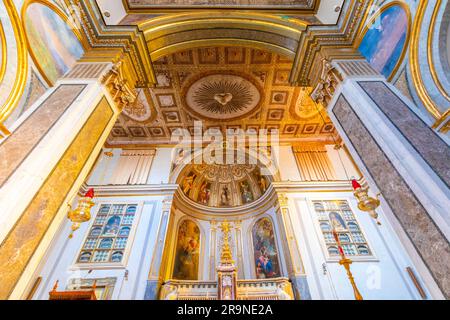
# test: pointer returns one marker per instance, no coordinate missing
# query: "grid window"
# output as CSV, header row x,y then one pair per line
x,y
109,234
337,215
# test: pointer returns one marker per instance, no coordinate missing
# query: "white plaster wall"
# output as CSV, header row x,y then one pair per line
x,y
342,165
288,165
60,263
161,166
382,277
104,168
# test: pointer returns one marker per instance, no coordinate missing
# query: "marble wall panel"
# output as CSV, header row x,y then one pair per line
x,y
430,243
424,140
27,136
22,241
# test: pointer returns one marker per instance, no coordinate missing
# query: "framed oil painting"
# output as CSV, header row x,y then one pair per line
x,y
265,250
385,40
187,251
53,44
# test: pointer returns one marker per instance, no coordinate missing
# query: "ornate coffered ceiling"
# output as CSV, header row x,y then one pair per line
x,y
235,4
226,88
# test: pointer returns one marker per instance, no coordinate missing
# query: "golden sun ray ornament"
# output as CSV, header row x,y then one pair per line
x,y
83,211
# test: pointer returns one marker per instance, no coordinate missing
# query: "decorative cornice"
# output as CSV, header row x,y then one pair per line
x,y
127,40
320,42
131,190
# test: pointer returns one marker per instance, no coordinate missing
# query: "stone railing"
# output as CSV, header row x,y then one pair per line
x,y
251,289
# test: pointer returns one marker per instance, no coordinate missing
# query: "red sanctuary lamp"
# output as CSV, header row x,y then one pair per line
x,y
83,211
365,202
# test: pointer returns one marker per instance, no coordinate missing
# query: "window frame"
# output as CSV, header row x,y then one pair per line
x,y
130,240
321,237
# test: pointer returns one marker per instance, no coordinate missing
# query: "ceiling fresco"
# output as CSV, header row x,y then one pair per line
x,y
253,4
225,88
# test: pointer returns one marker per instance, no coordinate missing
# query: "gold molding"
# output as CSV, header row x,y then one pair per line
x,y
63,16
415,68
430,52
187,8
118,86
373,19
4,52
186,86
26,235
22,63
221,42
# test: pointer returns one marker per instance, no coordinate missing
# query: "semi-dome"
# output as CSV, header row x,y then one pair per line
x,y
217,185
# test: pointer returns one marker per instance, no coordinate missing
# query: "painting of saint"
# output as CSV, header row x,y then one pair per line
x,y
188,182
225,196
384,42
262,182
112,226
204,193
246,194
52,42
265,250
337,223
187,251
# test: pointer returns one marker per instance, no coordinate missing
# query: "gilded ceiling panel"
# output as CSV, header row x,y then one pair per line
x,y
225,88
253,4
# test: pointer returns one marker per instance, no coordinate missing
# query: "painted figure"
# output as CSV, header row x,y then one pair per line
x,y
246,194
112,226
188,182
337,223
204,193
266,255
187,252
225,196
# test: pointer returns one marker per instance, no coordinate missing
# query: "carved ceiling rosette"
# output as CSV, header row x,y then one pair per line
x,y
225,96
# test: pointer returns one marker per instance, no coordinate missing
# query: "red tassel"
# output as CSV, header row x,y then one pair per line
x,y
90,193
355,184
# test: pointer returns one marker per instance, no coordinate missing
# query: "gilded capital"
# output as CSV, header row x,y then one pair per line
x,y
329,79
118,86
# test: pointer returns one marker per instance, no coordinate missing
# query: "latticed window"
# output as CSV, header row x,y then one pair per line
x,y
109,234
337,215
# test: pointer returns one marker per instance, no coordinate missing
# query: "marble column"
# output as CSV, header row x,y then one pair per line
x,y
156,274
44,161
291,250
401,157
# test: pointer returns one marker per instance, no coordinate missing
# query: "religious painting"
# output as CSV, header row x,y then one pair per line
x,y
204,193
265,251
112,226
246,194
337,223
187,251
225,196
188,182
53,45
385,41
262,181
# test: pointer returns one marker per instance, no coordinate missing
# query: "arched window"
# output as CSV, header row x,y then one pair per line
x,y
187,251
265,250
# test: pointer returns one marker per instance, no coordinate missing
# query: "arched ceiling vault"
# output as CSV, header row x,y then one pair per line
x,y
168,34
154,34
